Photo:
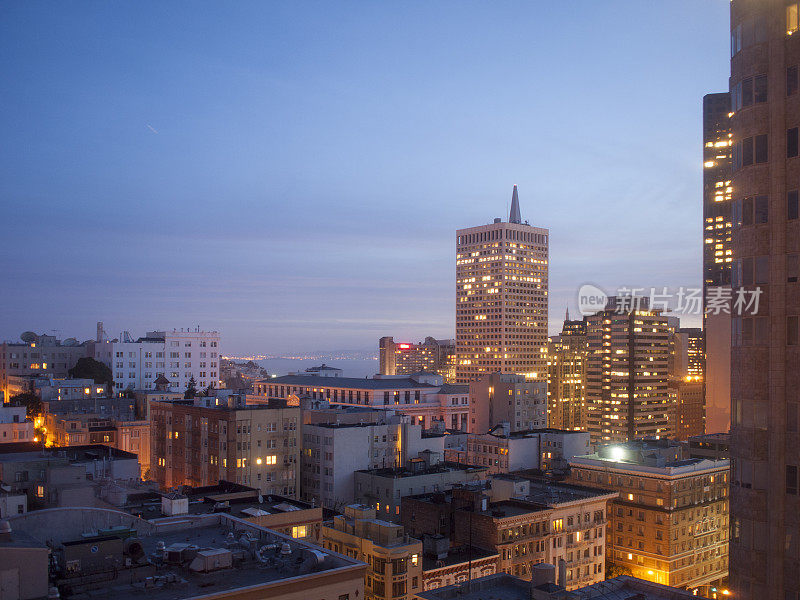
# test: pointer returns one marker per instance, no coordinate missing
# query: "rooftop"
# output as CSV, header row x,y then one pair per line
x,y
455,556
208,555
313,381
507,587
442,467
76,454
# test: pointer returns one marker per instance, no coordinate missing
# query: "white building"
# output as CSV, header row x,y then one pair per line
x,y
178,355
14,425
333,452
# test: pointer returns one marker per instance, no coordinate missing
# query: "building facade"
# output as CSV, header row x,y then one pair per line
x,y
500,398
765,499
406,358
566,377
627,373
15,425
670,522
501,298
178,355
394,560
199,442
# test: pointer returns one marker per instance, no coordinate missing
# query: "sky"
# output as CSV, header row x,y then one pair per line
x,y
292,174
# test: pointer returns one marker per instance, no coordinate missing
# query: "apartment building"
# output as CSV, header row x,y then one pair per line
x,y
334,451
178,355
201,441
627,372
566,376
394,560
15,425
543,522
424,397
384,488
670,522
503,451
507,398
36,355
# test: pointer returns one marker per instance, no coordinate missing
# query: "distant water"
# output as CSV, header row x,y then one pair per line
x,y
366,367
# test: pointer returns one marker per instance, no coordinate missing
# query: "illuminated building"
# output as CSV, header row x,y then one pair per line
x,y
685,383
501,298
566,377
717,257
525,522
14,425
37,355
501,398
199,442
627,373
405,358
765,378
422,396
394,559
670,522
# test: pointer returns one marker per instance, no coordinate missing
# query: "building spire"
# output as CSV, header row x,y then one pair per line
x,y
514,216
567,317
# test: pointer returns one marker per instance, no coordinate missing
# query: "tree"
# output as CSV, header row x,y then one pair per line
x,y
191,389
31,402
209,391
613,570
89,368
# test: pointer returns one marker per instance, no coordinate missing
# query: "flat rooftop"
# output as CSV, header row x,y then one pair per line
x,y
252,556
74,454
315,381
442,467
455,556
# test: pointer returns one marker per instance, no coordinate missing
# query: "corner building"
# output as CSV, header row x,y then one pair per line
x,y
765,445
501,298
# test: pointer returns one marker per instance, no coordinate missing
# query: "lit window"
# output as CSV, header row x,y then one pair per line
x,y
299,531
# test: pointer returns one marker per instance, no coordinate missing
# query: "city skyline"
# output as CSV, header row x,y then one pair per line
x,y
227,181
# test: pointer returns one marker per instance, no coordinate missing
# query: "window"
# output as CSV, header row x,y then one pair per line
x,y
760,89
791,142
791,479
761,210
791,80
791,205
762,151
791,330
792,265
299,531
791,18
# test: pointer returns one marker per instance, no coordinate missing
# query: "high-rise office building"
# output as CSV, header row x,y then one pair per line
x,y
717,257
765,505
501,298
627,372
406,358
566,377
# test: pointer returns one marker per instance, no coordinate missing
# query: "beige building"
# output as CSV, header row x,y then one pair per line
x,y
199,442
627,372
501,298
670,522
566,377
394,559
500,398
406,358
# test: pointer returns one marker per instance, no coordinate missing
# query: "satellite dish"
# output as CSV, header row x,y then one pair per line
x,y
70,342
28,337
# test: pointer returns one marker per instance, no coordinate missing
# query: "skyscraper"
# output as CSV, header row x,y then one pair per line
x,y
765,354
627,372
501,298
566,381
717,258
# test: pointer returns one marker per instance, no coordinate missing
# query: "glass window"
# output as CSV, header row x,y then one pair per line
x,y
791,18
791,205
791,80
747,92
761,210
747,211
762,149
762,269
792,268
791,142
747,152
791,331
760,89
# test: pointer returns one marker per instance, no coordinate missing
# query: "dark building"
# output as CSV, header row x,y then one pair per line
x,y
765,354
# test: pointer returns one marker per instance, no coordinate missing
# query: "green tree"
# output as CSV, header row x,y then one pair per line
x,y
33,406
191,389
613,570
89,368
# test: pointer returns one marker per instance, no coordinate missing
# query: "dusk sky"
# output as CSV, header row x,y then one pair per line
x,y
292,174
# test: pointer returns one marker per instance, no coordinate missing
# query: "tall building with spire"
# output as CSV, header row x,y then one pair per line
x,y
501,298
